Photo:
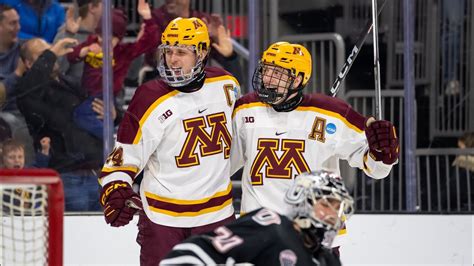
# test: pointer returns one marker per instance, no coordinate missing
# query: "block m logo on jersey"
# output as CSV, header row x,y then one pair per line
x,y
278,167
217,142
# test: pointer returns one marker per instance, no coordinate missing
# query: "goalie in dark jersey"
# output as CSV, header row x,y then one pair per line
x,y
319,200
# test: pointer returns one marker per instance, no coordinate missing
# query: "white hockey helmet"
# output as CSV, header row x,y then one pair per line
x,y
310,193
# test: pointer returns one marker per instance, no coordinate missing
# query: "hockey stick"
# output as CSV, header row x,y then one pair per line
x,y
354,53
375,33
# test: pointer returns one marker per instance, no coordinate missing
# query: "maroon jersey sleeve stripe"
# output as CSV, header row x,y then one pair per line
x,y
335,105
144,97
250,97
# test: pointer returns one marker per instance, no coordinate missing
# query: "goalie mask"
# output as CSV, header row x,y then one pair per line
x,y
320,203
183,37
281,65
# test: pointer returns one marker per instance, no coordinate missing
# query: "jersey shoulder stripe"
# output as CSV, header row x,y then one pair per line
x,y
146,98
334,107
249,100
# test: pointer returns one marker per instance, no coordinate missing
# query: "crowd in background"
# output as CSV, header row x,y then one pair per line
x,y
51,86
51,82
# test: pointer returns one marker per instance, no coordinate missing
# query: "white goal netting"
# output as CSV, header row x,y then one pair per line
x,y
31,228
24,228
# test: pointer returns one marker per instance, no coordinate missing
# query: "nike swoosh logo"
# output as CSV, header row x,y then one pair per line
x,y
279,133
203,110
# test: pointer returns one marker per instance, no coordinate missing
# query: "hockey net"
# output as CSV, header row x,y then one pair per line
x,y
31,231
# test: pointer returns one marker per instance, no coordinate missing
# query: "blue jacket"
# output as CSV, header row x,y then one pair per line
x,y
45,26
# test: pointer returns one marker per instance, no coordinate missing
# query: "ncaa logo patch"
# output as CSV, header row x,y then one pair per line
x,y
331,128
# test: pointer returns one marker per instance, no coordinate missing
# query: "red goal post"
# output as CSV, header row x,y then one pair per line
x,y
31,230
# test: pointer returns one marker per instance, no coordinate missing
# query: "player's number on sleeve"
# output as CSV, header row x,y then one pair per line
x,y
115,158
225,239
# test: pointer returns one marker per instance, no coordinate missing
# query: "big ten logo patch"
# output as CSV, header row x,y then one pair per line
x,y
248,119
165,115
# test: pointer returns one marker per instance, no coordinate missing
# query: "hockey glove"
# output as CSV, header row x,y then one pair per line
x,y
383,141
120,203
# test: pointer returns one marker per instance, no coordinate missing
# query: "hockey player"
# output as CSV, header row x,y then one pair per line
x,y
263,237
280,132
177,130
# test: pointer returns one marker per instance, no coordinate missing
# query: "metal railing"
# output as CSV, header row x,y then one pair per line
x,y
452,71
445,179
371,194
442,186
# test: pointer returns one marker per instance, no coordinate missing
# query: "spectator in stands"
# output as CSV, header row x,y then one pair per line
x,y
89,12
47,100
13,154
38,18
464,170
90,52
223,51
9,49
452,25
5,131
13,157
10,69
9,45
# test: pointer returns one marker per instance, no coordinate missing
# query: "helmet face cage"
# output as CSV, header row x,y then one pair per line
x,y
177,77
326,190
272,83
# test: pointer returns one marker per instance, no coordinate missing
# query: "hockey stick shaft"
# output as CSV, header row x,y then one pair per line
x,y
375,33
353,55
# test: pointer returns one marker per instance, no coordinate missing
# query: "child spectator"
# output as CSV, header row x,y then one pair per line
x,y
90,12
90,52
13,157
13,154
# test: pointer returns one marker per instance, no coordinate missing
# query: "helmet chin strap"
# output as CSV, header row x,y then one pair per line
x,y
269,94
195,85
291,104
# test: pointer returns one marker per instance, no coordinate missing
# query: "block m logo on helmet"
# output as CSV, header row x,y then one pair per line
x,y
218,141
296,50
278,167
197,24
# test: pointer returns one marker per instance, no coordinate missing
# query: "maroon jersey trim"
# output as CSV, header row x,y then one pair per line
x,y
190,208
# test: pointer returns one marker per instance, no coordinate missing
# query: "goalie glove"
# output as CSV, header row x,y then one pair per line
x,y
383,141
120,203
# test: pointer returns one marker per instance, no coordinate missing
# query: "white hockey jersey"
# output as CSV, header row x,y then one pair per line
x,y
274,147
182,141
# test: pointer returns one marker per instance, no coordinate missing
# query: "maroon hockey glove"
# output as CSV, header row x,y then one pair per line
x,y
120,203
383,141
